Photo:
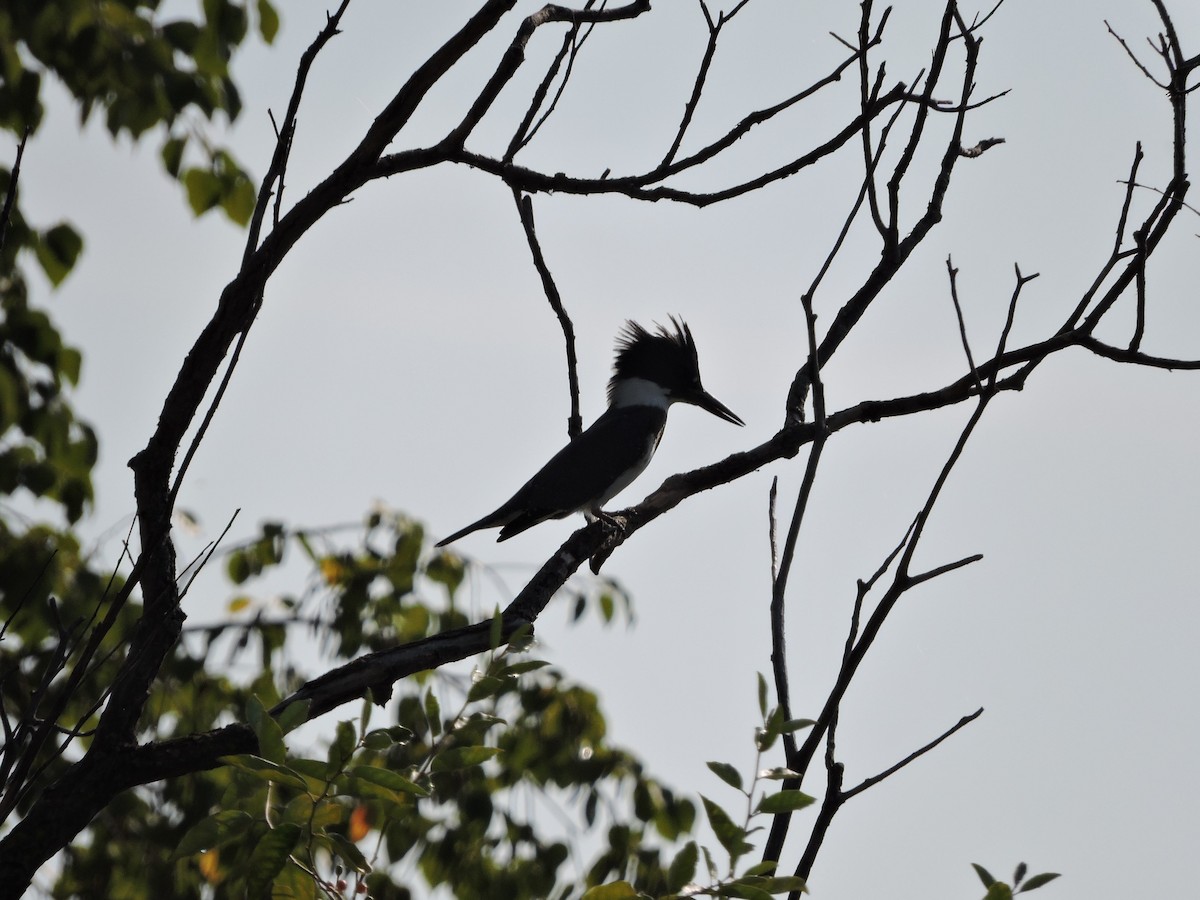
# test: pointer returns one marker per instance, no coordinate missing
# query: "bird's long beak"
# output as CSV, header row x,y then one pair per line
x,y
703,399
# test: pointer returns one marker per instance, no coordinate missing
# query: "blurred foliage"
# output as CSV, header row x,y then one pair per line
x,y
466,785
142,71
497,781
123,59
60,612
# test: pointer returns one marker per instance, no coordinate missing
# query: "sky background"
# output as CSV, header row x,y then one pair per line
x,y
406,354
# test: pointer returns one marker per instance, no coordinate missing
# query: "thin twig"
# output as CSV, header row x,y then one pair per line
x,y
212,548
710,50
284,134
962,324
525,210
10,196
526,130
912,757
772,523
779,585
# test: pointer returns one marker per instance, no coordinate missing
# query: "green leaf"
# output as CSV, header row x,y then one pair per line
x,y
314,772
70,361
267,730
778,773
342,747
796,724
269,856
393,781
382,738
1038,880
764,739
683,867
762,695
268,21
237,200
293,883
999,891
742,888
447,569
57,251
364,718
213,831
172,155
528,665
320,815
727,774
617,890
784,801
732,837
777,884
266,770
237,567
348,851
203,190
463,758
496,632
433,713
293,715
486,686
182,35
1019,873
761,868
984,875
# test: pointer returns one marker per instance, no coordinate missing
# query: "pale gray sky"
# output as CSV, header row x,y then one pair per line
x,y
406,353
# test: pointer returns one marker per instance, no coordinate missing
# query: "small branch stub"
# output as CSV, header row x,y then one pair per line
x,y
980,148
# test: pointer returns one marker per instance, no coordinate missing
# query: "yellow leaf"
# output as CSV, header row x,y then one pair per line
x,y
210,865
331,570
237,604
359,823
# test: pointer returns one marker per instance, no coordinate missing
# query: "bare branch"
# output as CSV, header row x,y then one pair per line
x,y
914,580
528,129
962,325
779,585
285,133
1139,327
515,55
1130,355
710,49
1002,345
639,187
912,757
525,209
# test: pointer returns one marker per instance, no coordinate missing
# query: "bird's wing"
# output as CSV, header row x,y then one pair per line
x,y
583,471
580,473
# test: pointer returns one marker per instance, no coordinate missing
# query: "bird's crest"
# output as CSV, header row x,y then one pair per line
x,y
665,356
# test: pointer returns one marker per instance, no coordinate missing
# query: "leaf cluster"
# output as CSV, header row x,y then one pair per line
x,y
122,57
452,793
998,890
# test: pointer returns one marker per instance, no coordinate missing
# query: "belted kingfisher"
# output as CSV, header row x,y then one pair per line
x,y
651,371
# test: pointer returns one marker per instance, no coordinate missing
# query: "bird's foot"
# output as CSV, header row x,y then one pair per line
x,y
612,520
615,527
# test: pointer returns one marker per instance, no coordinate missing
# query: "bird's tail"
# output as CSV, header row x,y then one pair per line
x,y
491,520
